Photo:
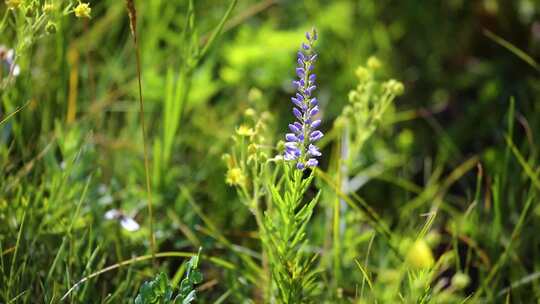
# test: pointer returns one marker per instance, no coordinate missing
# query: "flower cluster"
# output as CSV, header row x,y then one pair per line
x,y
300,144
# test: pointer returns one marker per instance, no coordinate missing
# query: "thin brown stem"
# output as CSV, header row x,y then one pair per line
x,y
133,23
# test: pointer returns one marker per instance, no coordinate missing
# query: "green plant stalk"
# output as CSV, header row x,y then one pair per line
x,y
133,23
292,277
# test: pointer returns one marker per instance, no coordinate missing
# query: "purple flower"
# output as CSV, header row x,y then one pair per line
x,y
299,145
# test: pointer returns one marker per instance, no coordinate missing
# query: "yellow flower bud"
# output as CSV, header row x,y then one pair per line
x,y
250,112
419,255
362,73
254,94
460,280
373,63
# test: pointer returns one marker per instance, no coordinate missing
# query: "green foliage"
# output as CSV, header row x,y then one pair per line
x,y
160,291
285,238
426,192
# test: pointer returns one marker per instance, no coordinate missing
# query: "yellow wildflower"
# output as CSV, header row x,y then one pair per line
x,y
82,10
235,176
244,130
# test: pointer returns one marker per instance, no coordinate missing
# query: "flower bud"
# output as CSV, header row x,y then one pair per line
x,y
419,255
460,280
373,63
362,73
50,27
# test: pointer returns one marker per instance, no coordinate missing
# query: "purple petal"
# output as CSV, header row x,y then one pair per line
x,y
289,156
312,162
300,166
314,102
312,77
316,135
294,129
297,113
305,46
297,102
316,124
314,111
291,145
300,72
310,90
313,150
291,137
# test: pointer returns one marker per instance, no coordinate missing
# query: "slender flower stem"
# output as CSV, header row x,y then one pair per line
x,y
133,23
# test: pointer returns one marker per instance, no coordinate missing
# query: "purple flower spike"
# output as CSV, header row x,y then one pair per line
x,y
299,145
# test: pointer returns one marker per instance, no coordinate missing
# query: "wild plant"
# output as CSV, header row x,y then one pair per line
x,y
159,290
281,183
28,22
367,105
